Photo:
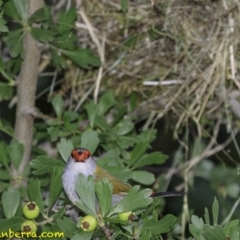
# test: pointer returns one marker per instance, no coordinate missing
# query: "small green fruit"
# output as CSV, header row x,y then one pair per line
x,y
31,210
88,223
29,226
126,216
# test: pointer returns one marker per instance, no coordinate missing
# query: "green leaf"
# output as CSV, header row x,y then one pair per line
x,y
70,120
234,232
10,10
13,223
230,227
195,232
147,135
67,225
103,190
134,200
21,6
100,122
38,16
34,192
152,158
144,235
119,115
5,175
55,185
133,101
215,211
3,27
57,103
83,58
84,208
206,216
132,40
42,35
53,133
85,187
92,113
198,222
6,91
138,152
124,5
161,226
60,213
44,164
66,20
6,127
10,202
90,140
3,154
3,186
213,233
196,228
66,41
65,147
82,235
124,127
143,177
52,122
15,152
148,211
12,68
57,60
14,40
106,102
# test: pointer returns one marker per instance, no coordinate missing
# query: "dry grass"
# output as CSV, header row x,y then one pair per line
x,y
180,57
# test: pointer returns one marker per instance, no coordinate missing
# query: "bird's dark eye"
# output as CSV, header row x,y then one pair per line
x,y
72,155
80,153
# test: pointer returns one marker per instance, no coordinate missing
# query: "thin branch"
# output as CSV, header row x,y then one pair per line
x,y
209,151
227,219
100,47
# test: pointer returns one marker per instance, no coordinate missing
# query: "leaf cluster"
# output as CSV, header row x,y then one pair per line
x,y
57,37
125,151
208,231
96,200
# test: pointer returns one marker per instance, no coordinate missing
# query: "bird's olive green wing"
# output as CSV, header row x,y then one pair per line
x,y
119,187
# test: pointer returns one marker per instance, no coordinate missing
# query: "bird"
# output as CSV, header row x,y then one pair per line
x,y
81,161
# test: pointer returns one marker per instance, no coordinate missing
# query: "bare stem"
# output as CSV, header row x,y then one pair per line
x,y
26,90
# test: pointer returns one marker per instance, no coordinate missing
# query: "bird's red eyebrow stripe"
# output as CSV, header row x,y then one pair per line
x,y
82,157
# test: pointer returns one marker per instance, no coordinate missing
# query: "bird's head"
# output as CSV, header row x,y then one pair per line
x,y
80,155
80,161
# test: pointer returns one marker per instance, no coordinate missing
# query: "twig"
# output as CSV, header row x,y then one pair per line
x,y
209,151
226,220
231,50
166,82
53,83
185,209
107,232
100,48
195,160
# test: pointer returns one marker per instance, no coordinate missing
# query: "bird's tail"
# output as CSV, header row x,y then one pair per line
x,y
168,194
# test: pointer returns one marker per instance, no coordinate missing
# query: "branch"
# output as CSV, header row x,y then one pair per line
x,y
26,90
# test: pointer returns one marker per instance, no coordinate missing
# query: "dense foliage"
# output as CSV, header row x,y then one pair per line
x,y
102,124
